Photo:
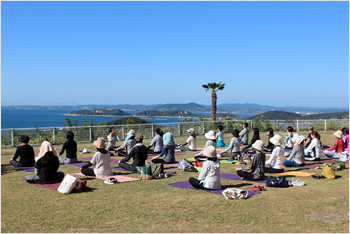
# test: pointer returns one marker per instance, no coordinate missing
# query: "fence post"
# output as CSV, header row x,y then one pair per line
x,y
297,125
277,125
53,135
325,125
226,126
90,131
179,129
123,132
251,125
152,130
13,143
203,127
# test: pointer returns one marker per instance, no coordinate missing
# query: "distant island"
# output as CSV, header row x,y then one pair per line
x,y
124,121
283,115
100,112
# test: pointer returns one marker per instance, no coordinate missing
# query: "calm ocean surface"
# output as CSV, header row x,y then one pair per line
x,y
27,118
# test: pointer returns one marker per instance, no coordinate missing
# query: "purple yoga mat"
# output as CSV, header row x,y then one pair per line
x,y
79,164
186,184
237,177
50,186
24,168
122,169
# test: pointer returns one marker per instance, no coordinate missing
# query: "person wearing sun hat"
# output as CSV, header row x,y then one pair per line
x,y
337,148
297,157
277,156
191,141
101,161
211,140
255,171
234,148
209,177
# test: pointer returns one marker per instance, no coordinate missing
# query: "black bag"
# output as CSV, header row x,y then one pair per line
x,y
156,169
278,182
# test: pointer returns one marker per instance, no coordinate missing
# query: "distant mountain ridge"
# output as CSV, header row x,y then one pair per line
x,y
101,111
283,115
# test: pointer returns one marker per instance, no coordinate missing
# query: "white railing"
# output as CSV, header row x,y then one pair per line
x,y
56,135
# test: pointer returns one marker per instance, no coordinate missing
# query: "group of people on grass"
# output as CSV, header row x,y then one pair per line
x,y
48,161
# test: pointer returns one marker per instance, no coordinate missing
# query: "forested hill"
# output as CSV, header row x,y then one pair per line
x,y
283,115
101,111
185,107
126,120
174,113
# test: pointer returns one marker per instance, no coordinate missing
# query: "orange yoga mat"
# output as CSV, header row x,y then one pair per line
x,y
294,173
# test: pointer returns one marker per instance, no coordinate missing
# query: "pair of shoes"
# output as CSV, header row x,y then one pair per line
x,y
298,182
257,188
111,180
317,176
161,175
229,160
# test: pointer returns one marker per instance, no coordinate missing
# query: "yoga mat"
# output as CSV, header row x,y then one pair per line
x,y
120,178
217,149
113,160
187,185
294,173
24,168
50,186
122,169
79,164
171,164
237,177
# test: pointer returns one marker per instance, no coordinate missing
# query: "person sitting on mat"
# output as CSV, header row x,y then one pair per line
x,y
46,146
168,150
138,153
313,151
269,146
255,171
112,140
129,134
297,157
209,177
101,161
127,146
211,140
234,146
345,158
25,152
288,144
336,150
71,148
191,142
277,156
309,138
244,134
157,142
46,167
220,137
256,136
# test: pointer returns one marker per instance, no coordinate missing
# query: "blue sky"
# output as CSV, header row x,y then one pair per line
x,y
270,53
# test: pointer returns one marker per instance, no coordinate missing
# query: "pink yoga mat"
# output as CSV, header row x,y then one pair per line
x,y
120,178
50,186
217,149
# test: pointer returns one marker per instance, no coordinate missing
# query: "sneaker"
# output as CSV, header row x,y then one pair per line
x,y
298,182
111,181
255,188
166,175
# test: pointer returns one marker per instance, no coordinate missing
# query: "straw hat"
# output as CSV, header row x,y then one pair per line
x,y
297,139
191,130
100,143
338,134
131,132
259,145
139,137
210,135
209,152
276,140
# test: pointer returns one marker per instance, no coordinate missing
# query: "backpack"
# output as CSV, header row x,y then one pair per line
x,y
340,165
145,172
80,186
280,182
156,169
185,165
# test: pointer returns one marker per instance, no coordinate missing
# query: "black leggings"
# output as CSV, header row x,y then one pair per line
x,y
88,171
195,183
246,175
272,170
162,161
127,166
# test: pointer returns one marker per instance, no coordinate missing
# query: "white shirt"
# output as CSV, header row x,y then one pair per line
x,y
210,174
276,158
192,143
102,164
315,143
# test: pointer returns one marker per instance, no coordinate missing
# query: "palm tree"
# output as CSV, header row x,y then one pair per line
x,y
214,87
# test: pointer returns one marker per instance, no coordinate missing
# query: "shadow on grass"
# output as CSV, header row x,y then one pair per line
x,y
87,190
6,169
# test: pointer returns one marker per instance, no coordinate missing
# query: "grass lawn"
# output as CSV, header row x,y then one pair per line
x,y
153,206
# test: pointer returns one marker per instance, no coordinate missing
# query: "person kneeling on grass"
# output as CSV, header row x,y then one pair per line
x,y
101,161
46,170
277,156
25,153
138,153
168,150
256,170
209,177
297,157
234,146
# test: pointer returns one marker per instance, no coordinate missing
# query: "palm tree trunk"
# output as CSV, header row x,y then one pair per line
x,y
213,105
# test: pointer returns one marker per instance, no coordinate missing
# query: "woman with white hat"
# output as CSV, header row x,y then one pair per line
x,y
255,171
297,157
277,156
209,177
101,161
337,148
191,141
211,140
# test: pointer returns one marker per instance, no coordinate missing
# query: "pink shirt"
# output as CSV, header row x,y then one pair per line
x,y
346,142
